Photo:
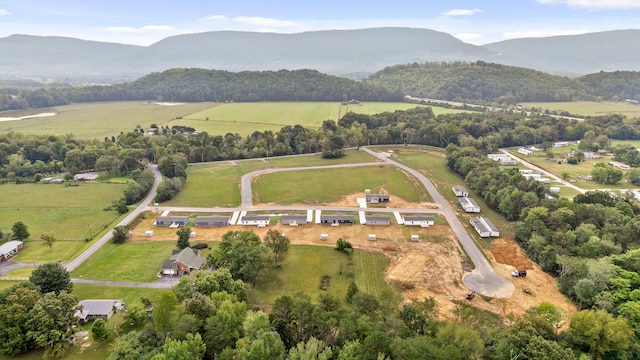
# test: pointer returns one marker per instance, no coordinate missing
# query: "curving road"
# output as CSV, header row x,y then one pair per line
x,y
73,264
483,280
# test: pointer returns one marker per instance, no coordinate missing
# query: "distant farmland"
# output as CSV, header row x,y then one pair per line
x,y
590,108
106,119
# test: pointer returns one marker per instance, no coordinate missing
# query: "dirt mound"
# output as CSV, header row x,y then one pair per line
x,y
507,252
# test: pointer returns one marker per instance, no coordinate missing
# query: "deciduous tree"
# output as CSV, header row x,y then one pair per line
x,y
51,277
278,243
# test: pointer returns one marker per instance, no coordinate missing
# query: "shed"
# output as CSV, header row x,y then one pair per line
x,y
418,220
336,219
459,190
377,220
148,233
172,221
377,198
554,189
98,309
293,219
415,237
372,237
469,205
258,220
10,249
212,221
324,236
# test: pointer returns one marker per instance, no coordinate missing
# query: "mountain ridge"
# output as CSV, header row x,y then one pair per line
x,y
335,52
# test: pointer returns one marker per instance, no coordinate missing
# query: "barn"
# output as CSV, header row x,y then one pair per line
x,y
10,249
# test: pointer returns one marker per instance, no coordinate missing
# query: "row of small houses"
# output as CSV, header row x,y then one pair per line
x,y
483,226
290,219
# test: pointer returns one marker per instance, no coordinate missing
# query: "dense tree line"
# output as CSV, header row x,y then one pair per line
x,y
196,85
460,81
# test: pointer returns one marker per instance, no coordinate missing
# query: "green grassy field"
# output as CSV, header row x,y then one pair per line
x,y
129,262
369,268
301,272
99,119
245,118
433,164
590,108
218,184
328,185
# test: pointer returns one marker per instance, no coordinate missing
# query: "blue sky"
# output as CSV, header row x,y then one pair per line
x,y
143,22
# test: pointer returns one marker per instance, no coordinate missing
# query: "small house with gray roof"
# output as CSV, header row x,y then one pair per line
x,y
336,219
377,198
172,221
377,220
97,309
258,220
212,221
418,220
183,262
293,219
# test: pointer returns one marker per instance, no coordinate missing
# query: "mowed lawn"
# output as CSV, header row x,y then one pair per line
x,y
590,108
71,213
218,184
128,262
301,272
369,268
96,120
329,185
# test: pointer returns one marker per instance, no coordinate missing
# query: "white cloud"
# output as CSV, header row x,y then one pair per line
x,y
596,4
4,12
144,29
541,33
265,22
461,12
215,18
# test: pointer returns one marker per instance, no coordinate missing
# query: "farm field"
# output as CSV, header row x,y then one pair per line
x,y
71,213
218,184
99,119
589,108
245,118
331,185
105,119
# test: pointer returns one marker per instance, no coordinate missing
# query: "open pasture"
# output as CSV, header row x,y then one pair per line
x,y
99,119
130,262
589,108
218,184
331,185
71,213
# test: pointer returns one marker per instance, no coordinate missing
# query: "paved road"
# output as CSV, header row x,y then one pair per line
x,y
73,264
245,187
483,279
166,282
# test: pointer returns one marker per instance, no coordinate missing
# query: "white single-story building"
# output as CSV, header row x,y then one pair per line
x,y
459,190
10,249
469,205
525,151
418,220
561,144
257,220
484,227
377,198
554,189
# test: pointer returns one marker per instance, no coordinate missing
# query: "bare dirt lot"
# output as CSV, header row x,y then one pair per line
x,y
430,267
